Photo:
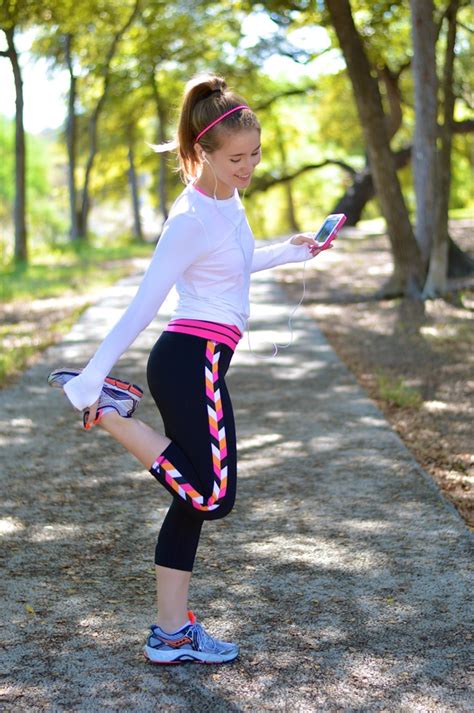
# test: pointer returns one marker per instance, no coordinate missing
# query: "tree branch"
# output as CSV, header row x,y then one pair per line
x,y
463,127
288,93
402,157
465,27
307,56
448,10
268,180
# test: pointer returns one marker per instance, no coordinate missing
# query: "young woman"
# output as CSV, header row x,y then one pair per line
x,y
207,250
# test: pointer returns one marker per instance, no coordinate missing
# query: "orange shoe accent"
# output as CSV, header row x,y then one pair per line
x,y
135,390
179,642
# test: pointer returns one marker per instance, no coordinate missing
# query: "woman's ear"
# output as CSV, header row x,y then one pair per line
x,y
200,153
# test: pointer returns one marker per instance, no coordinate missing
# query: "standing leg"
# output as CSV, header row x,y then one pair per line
x,y
172,587
176,549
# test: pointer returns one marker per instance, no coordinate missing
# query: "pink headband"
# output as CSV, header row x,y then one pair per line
x,y
216,121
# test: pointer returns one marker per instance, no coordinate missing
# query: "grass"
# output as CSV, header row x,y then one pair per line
x,y
19,346
461,213
69,271
395,392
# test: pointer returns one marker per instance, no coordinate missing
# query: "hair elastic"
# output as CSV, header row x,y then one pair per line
x,y
216,121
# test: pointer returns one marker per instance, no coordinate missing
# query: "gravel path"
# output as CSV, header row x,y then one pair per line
x,y
342,572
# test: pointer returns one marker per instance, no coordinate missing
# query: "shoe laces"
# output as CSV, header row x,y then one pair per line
x,y
205,641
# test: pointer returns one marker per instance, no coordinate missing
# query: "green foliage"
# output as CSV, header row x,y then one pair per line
x,y
378,21
66,270
46,217
338,127
462,195
20,14
162,49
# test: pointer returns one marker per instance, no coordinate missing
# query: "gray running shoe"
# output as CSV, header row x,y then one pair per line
x,y
191,643
116,394
59,377
119,395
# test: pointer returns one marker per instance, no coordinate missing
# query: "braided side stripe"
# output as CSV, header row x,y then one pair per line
x,y
216,424
173,477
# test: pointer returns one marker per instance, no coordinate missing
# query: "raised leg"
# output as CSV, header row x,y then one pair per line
x,y
139,439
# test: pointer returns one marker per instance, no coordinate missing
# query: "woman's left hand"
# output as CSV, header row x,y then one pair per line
x,y
308,238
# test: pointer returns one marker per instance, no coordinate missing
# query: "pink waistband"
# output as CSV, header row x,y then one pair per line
x,y
227,334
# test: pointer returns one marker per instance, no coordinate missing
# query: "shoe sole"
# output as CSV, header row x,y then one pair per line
x,y
185,658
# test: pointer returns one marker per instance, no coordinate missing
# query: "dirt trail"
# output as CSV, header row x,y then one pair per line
x,y
342,572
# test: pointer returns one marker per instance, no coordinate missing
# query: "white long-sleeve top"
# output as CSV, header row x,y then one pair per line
x,y
207,250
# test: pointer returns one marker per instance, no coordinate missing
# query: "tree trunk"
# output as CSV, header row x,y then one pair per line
x,y
71,143
424,142
290,209
354,200
391,83
163,194
19,211
290,204
85,201
81,227
438,270
161,135
460,264
408,269
356,197
132,177
94,120
362,190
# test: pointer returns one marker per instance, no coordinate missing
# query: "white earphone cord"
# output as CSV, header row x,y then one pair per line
x,y
276,346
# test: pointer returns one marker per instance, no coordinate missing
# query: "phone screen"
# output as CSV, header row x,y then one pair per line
x,y
327,227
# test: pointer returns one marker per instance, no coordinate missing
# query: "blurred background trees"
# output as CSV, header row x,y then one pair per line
x,y
344,120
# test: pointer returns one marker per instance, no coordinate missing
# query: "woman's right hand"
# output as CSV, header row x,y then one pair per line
x,y
89,415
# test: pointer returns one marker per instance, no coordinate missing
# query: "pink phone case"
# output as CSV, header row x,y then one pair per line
x,y
329,229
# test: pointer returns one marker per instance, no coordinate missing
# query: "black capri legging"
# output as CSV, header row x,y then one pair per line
x,y
199,468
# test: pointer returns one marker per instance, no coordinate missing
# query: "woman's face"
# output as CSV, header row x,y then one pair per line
x,y
234,162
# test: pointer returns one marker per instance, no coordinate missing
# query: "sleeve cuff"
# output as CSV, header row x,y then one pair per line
x,y
84,389
297,253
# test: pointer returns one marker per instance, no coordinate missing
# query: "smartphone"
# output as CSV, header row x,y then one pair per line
x,y
329,229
